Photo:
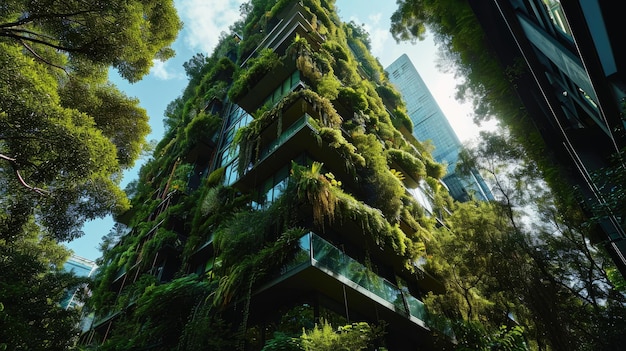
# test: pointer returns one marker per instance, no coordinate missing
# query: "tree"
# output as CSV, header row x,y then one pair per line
x,y
66,135
65,132
61,166
32,286
127,35
407,22
522,259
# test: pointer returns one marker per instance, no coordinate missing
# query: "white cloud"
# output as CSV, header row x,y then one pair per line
x,y
160,71
205,20
375,18
379,37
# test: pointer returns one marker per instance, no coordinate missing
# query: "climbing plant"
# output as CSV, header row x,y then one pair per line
x,y
234,244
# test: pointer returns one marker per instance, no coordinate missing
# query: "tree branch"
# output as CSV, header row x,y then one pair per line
x,y
10,33
30,32
37,56
30,19
13,163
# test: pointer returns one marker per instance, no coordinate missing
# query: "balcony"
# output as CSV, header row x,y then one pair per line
x,y
302,122
294,21
254,98
320,266
289,144
327,257
299,137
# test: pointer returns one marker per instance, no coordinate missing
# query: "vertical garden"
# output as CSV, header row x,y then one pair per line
x,y
183,268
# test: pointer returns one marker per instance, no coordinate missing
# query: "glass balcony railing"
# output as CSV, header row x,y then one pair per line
x,y
416,307
333,259
302,256
319,252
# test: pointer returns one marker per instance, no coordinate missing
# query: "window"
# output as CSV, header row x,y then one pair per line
x,y
231,174
555,11
272,188
283,89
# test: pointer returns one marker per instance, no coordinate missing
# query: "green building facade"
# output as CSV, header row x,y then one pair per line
x,y
288,191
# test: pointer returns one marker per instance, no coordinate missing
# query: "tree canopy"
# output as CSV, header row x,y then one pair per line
x,y
66,132
127,35
66,135
522,262
32,284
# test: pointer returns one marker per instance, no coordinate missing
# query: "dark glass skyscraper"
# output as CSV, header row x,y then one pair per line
x,y
430,124
572,64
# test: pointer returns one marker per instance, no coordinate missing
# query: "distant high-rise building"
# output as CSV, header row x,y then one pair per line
x,y
81,267
430,124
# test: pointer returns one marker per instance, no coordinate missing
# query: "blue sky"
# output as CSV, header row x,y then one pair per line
x,y
204,20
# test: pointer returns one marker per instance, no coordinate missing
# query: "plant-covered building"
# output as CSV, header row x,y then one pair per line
x,y
288,192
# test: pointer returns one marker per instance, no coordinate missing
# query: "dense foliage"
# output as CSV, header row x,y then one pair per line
x,y
179,210
525,260
66,134
124,34
32,285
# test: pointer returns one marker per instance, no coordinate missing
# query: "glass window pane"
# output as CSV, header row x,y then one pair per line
x,y
230,135
278,189
282,173
224,157
556,15
277,95
233,151
231,175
